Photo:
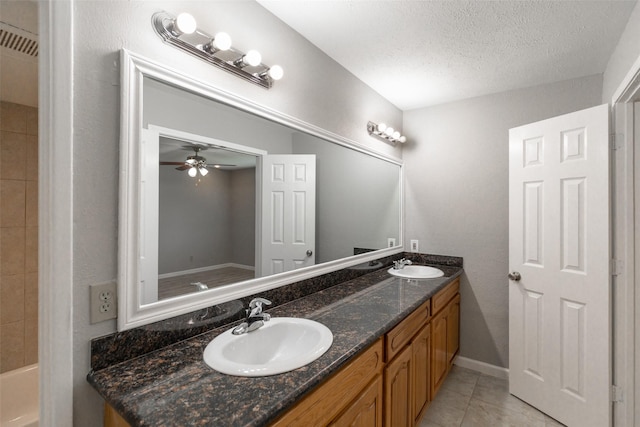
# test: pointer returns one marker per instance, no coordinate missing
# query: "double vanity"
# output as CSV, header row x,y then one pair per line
x,y
394,340
390,334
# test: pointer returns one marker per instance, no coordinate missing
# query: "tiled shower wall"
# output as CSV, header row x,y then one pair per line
x,y
18,236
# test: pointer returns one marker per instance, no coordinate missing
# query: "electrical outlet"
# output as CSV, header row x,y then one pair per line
x,y
104,302
391,242
415,246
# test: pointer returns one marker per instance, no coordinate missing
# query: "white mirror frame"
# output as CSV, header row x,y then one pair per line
x,y
131,313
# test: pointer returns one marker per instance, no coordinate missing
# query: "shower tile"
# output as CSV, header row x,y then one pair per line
x,y
31,296
31,250
12,241
550,422
12,308
32,121
31,158
31,209
13,117
30,341
13,155
12,194
12,351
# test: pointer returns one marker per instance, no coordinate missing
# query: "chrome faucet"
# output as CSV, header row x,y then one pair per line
x,y
399,265
255,317
201,286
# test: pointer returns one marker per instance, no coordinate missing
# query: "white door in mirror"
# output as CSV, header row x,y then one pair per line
x,y
281,345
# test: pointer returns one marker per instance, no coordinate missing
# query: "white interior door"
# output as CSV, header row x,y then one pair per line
x,y
559,310
288,212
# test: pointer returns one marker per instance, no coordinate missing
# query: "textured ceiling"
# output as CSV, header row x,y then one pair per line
x,y
421,53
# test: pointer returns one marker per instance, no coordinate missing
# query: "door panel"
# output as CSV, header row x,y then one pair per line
x,y
288,213
559,311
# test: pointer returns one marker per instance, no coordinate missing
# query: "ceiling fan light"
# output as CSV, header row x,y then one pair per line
x,y
203,171
190,161
193,172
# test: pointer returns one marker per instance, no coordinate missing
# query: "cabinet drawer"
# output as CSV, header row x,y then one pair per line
x,y
400,336
444,296
330,398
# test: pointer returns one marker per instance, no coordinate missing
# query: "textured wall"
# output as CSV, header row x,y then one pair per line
x,y
457,195
623,57
315,89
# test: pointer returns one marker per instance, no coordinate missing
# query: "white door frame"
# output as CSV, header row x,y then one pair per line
x,y
55,216
626,336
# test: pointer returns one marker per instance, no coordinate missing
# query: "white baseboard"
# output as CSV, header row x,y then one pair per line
x,y
207,268
482,367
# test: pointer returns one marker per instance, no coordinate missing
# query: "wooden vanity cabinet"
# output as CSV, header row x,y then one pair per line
x,y
445,340
407,386
391,383
351,396
365,410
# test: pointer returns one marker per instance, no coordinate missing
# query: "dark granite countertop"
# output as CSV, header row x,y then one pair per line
x,y
174,387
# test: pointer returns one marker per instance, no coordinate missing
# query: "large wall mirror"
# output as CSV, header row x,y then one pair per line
x,y
221,198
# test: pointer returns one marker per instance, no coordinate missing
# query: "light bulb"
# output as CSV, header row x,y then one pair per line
x,y
252,58
276,72
185,23
396,135
193,172
388,131
190,161
382,127
402,139
222,41
203,171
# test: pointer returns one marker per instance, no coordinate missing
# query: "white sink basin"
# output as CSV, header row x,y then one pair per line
x,y
417,272
281,345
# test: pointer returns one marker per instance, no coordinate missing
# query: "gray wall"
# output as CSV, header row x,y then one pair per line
x,y
207,224
315,89
357,199
457,194
243,210
625,54
173,108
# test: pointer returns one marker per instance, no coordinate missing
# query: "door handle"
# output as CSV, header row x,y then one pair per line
x,y
309,252
515,276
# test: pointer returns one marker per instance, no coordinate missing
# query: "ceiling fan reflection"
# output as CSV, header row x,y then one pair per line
x,y
195,164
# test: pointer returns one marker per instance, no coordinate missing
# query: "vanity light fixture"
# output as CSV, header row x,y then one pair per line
x,y
386,133
183,33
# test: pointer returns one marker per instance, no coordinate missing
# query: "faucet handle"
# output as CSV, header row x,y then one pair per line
x,y
257,302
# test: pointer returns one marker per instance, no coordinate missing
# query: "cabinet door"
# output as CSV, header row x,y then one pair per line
x,y
365,410
453,329
439,358
397,391
421,375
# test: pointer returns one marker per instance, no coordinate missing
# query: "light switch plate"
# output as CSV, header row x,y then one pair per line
x,y
415,246
391,242
104,302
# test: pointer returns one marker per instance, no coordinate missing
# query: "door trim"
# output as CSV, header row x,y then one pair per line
x,y
626,345
55,215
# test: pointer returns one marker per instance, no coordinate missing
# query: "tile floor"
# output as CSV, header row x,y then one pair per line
x,y
471,399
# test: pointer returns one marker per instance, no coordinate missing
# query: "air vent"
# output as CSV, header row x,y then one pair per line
x,y
23,43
